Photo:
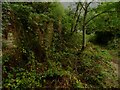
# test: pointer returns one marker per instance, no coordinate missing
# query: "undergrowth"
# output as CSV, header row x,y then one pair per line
x,y
90,69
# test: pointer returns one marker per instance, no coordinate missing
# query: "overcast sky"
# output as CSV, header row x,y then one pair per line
x,y
66,4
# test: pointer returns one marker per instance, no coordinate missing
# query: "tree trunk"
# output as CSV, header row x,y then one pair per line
x,y
84,39
84,28
76,15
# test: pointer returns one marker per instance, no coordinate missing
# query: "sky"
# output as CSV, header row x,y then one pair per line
x,y
66,4
89,0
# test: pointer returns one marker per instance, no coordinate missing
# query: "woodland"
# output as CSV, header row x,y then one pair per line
x,y
52,45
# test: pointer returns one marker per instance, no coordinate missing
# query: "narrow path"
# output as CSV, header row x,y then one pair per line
x,y
116,64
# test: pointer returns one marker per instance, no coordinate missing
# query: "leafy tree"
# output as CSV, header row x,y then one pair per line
x,y
86,15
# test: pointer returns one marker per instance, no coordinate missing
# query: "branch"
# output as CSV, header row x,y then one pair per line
x,y
94,17
77,8
82,6
77,20
89,4
76,15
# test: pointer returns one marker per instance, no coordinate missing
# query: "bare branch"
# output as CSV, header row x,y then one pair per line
x,y
76,15
77,20
82,6
89,4
77,8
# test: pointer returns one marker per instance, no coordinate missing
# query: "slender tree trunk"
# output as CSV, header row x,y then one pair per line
x,y
84,27
75,17
84,38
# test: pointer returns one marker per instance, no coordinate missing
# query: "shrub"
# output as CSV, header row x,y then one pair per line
x,y
23,79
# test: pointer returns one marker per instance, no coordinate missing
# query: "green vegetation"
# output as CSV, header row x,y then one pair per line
x,y
48,46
